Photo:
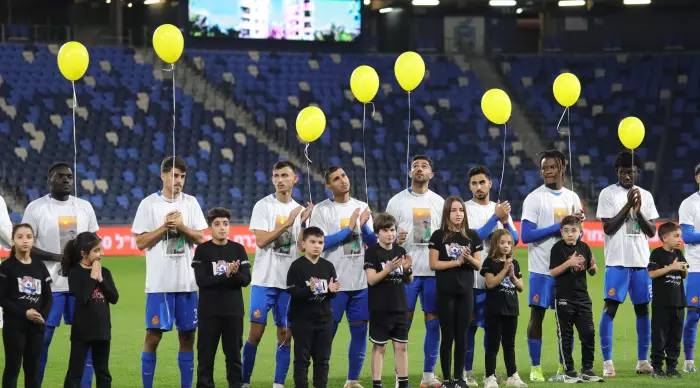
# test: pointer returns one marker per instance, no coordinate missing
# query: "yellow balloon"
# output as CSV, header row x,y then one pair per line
x,y
168,43
567,89
410,70
311,122
631,132
364,83
73,60
496,106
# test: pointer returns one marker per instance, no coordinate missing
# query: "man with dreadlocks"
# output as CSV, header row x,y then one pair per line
x,y
627,213
543,211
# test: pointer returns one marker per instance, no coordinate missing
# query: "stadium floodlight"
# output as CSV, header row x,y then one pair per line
x,y
386,10
519,11
425,2
147,2
108,1
129,5
636,2
366,2
572,3
503,3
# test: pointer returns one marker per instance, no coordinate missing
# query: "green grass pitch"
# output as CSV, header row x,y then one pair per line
x,y
128,332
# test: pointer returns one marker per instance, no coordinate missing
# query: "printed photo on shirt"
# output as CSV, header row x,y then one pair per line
x,y
283,243
560,213
220,267
67,229
352,244
175,243
454,250
421,226
320,287
29,286
507,286
97,295
632,226
396,275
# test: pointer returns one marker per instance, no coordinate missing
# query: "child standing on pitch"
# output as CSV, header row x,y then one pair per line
x,y
388,268
221,269
667,269
311,283
94,291
25,296
569,261
503,282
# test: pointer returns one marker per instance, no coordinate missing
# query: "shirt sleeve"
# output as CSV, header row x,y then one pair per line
x,y
606,205
516,269
93,226
31,218
6,301
317,219
531,209
242,277
204,279
142,221
296,286
392,208
260,218
108,287
487,267
435,240
654,261
46,295
686,213
681,257
198,220
477,243
557,256
649,211
5,225
371,259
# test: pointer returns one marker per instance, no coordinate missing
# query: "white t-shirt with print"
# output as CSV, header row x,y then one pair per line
x,y
629,246
349,256
169,261
545,207
689,214
272,262
55,223
477,216
419,215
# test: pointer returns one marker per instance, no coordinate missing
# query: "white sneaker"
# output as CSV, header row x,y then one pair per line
x,y
608,369
515,381
643,367
430,382
246,385
490,382
354,384
689,366
470,378
277,386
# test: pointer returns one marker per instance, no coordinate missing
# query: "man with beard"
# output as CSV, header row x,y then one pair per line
x,y
627,213
418,212
344,246
543,211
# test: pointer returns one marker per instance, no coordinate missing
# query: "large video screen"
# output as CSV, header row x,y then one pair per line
x,y
308,20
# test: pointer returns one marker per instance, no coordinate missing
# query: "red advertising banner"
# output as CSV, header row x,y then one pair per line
x,y
118,240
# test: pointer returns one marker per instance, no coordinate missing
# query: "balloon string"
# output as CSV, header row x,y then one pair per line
x,y
172,69
568,123
364,152
75,144
408,141
503,167
308,170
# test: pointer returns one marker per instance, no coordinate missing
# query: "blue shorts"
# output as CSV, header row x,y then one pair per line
x,y
541,288
63,306
354,302
692,290
424,287
621,280
164,308
479,312
262,299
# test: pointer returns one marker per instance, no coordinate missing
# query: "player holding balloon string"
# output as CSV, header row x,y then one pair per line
x,y
346,224
543,211
485,217
167,225
418,212
276,222
689,218
627,213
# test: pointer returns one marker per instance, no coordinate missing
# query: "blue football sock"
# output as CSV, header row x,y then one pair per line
x,y
148,368
469,360
690,330
358,348
249,352
606,330
185,360
282,362
534,347
86,381
643,336
48,336
431,346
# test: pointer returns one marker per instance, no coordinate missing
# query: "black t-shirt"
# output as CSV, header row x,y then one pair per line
x,y
305,304
502,299
667,290
572,284
91,320
458,280
24,287
390,293
220,295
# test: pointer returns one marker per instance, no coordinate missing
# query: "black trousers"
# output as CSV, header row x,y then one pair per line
x,y
500,329
455,314
100,361
666,333
23,343
572,313
230,330
312,340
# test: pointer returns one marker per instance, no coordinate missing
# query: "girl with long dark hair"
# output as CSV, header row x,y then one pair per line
x,y
455,252
94,291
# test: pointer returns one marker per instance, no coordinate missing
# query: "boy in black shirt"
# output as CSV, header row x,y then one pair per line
x,y
312,283
569,261
388,268
221,269
667,269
